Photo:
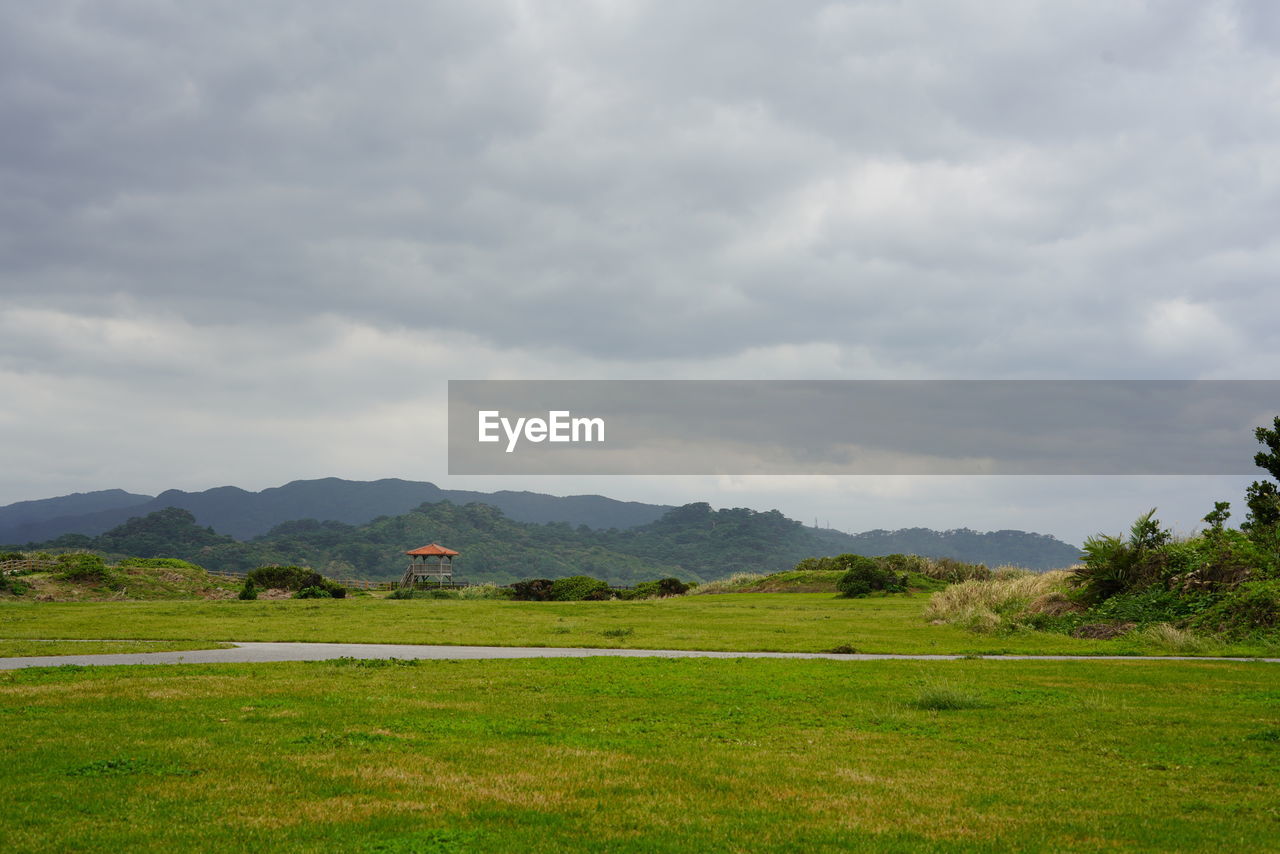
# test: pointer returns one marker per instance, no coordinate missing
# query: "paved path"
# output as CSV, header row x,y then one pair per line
x,y
259,652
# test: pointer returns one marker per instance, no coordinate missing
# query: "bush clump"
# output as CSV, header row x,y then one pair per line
x,y
1251,608
532,590
157,563
85,568
657,589
865,576
579,588
248,593
484,591
13,586
313,593
294,578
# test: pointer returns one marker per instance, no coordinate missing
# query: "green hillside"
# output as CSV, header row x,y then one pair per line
x,y
693,542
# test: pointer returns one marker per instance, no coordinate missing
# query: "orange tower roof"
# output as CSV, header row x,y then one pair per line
x,y
433,549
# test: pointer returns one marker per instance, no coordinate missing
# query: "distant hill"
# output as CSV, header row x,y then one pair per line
x,y
14,517
694,542
243,514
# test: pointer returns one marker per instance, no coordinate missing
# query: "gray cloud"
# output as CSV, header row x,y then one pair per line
x,y
281,207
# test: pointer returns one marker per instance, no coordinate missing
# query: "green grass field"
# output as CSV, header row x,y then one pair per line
x,y
793,622
642,755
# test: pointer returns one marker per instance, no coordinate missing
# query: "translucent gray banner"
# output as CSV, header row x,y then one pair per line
x,y
878,427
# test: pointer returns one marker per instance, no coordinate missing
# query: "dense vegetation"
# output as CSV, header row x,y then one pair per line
x,y
693,543
1221,582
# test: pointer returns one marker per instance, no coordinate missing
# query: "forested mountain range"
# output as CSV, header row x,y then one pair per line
x,y
243,514
693,542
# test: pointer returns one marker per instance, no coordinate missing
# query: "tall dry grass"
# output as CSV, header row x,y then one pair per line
x,y
985,605
732,584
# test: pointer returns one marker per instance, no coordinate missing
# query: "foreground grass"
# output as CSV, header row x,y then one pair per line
x,y
23,648
642,755
788,622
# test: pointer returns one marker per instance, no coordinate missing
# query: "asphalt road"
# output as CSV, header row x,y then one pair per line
x,y
263,652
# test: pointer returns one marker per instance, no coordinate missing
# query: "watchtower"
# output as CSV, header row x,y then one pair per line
x,y
429,564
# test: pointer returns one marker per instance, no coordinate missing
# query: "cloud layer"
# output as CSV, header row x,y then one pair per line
x,y
272,231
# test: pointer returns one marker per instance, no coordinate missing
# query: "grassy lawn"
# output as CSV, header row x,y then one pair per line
x,y
23,648
803,622
642,755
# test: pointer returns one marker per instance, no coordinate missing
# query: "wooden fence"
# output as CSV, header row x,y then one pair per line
x,y
24,565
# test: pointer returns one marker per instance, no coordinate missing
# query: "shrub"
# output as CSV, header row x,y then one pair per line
x,y
284,577
656,589
672,587
401,593
440,593
532,590
313,593
1112,565
248,592
1252,607
84,568
12,586
158,563
294,578
1153,605
578,588
865,576
484,591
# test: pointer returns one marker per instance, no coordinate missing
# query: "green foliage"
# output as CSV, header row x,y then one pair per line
x,y
313,593
1112,565
484,591
579,588
1251,608
248,593
13,586
85,568
157,563
532,590
1263,500
294,578
284,577
864,576
1218,516
1153,605
1268,459
656,589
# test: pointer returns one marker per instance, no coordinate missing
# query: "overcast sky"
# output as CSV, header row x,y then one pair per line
x,y
249,243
